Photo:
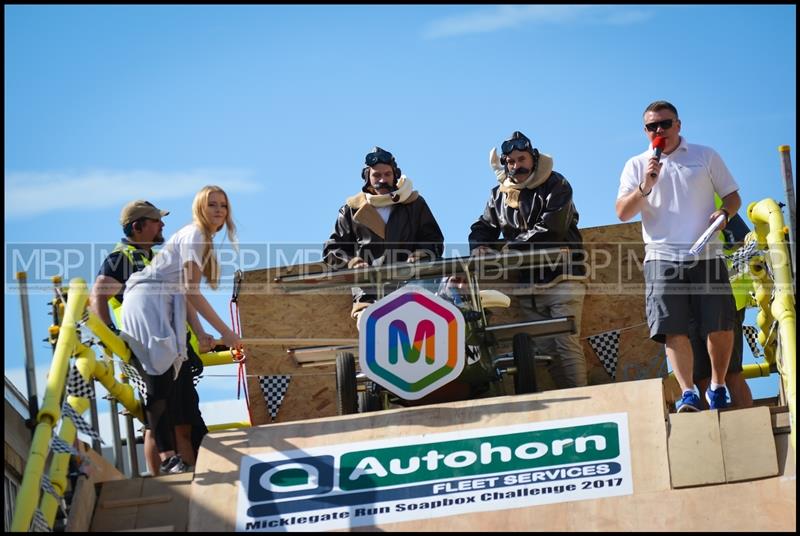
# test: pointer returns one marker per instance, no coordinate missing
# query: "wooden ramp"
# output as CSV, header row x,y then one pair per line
x,y
587,459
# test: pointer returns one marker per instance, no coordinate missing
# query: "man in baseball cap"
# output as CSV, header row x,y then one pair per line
x,y
142,225
136,210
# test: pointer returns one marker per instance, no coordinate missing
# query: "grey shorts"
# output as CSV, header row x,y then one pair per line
x,y
702,362
679,291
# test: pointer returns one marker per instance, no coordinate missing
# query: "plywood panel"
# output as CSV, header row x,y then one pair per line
x,y
173,512
144,504
695,449
764,505
614,301
214,488
102,469
748,446
111,519
786,455
81,509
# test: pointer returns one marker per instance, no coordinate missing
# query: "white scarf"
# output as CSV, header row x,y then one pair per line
x,y
543,170
402,195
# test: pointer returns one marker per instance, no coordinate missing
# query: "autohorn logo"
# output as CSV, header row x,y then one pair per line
x,y
283,479
411,342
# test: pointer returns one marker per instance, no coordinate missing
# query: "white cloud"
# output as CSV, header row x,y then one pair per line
x,y
510,16
34,193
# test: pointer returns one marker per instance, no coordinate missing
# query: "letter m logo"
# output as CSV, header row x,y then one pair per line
x,y
398,337
411,368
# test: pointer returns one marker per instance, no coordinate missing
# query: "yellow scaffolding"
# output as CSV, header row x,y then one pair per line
x,y
775,298
67,344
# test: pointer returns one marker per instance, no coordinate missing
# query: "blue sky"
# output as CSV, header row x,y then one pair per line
x,y
279,105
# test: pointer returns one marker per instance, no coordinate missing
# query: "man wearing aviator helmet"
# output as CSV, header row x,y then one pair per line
x,y
532,207
387,222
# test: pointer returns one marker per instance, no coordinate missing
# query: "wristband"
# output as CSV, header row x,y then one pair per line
x,y
641,192
727,214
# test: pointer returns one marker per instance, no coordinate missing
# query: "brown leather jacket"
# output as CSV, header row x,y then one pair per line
x,y
360,232
545,218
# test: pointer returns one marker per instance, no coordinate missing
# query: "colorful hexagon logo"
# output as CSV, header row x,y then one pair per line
x,y
411,342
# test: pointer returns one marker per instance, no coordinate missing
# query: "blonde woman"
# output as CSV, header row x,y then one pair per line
x,y
155,314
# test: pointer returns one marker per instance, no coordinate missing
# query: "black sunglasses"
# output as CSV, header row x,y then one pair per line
x,y
379,157
519,144
666,124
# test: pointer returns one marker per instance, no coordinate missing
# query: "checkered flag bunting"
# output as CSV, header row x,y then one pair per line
x,y
39,523
274,387
80,424
48,486
751,336
62,447
77,386
606,346
740,258
136,380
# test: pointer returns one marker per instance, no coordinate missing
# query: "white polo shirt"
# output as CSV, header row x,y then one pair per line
x,y
676,213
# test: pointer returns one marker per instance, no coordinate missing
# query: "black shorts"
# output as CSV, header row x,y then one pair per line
x,y
185,402
702,362
156,387
677,291
157,406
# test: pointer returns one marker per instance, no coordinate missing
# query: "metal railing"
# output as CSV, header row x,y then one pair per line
x,y
775,298
67,345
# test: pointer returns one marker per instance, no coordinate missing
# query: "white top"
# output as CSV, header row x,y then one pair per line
x,y
676,212
385,212
167,265
154,311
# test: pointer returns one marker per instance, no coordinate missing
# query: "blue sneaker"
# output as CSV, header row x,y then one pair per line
x,y
688,402
718,398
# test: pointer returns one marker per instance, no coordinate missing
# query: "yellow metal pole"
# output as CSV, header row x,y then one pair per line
x,y
123,392
28,496
49,414
766,214
59,465
763,286
211,359
788,183
756,370
108,337
228,426
67,342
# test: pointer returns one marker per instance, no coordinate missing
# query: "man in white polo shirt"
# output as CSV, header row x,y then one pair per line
x,y
675,195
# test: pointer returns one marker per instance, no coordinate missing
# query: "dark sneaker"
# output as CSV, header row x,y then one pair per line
x,y
180,467
718,398
174,465
167,464
688,402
